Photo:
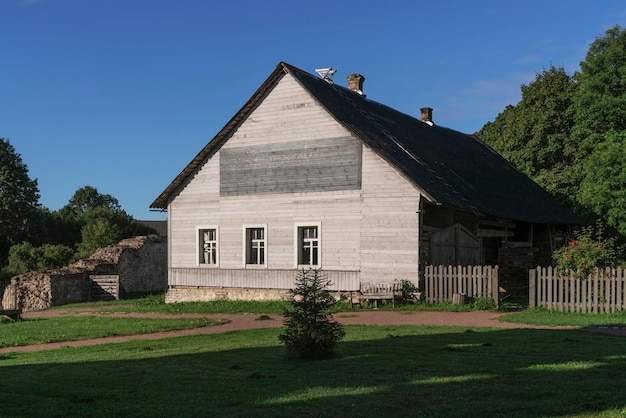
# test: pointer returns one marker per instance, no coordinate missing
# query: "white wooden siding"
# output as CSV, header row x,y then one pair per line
x,y
258,278
360,228
389,224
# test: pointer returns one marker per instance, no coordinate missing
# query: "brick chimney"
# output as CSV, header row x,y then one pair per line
x,y
355,83
427,115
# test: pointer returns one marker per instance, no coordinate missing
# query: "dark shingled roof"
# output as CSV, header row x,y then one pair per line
x,y
449,167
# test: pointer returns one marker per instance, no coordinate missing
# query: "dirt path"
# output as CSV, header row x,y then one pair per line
x,y
251,321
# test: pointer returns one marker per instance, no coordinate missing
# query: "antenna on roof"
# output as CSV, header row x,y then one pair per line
x,y
326,74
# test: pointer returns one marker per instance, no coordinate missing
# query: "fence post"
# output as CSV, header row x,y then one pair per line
x,y
532,288
495,283
619,277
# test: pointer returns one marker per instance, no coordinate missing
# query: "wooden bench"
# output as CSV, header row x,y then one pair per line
x,y
376,292
14,314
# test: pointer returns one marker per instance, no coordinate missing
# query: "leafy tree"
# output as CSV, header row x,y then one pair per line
x,y
603,188
85,199
96,220
534,134
46,227
310,330
102,228
19,198
599,102
73,215
599,108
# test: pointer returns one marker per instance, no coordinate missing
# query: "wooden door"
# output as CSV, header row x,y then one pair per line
x,y
455,246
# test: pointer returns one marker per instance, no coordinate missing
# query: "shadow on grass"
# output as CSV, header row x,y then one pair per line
x,y
384,371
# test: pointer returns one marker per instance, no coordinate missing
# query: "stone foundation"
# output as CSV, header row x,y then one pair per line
x,y
208,294
177,294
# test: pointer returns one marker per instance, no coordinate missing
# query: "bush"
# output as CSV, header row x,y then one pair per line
x,y
24,257
310,330
408,288
590,249
483,303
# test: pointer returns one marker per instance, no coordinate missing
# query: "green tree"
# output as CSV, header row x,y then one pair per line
x,y
310,330
599,102
94,220
73,216
603,188
19,197
85,199
599,109
102,227
534,135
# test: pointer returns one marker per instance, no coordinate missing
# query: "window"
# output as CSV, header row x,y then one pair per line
x,y
255,245
207,238
308,245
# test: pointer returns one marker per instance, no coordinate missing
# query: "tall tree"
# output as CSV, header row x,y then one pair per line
x,y
87,198
599,109
73,216
19,196
600,99
603,188
102,227
534,135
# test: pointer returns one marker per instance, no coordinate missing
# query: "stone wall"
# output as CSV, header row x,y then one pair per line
x,y
140,262
143,269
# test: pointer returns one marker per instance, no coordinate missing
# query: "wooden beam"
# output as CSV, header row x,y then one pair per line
x,y
503,224
494,233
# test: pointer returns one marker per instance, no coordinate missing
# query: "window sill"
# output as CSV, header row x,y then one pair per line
x,y
255,266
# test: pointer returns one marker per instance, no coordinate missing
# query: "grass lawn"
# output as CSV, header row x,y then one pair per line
x,y
379,371
68,328
540,316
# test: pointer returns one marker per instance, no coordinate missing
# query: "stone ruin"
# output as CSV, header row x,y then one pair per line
x,y
136,265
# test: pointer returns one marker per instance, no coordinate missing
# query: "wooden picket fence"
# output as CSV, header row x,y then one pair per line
x,y
442,283
604,291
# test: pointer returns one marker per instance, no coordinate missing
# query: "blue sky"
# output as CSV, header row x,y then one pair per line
x,y
122,94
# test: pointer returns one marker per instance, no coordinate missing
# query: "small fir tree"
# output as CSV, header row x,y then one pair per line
x,y
310,330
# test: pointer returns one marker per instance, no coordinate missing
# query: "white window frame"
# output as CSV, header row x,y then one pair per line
x,y
298,244
246,243
200,229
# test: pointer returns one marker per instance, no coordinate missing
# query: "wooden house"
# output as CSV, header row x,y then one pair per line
x,y
310,174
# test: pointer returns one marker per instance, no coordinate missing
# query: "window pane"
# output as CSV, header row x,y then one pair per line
x,y
308,244
255,246
208,246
